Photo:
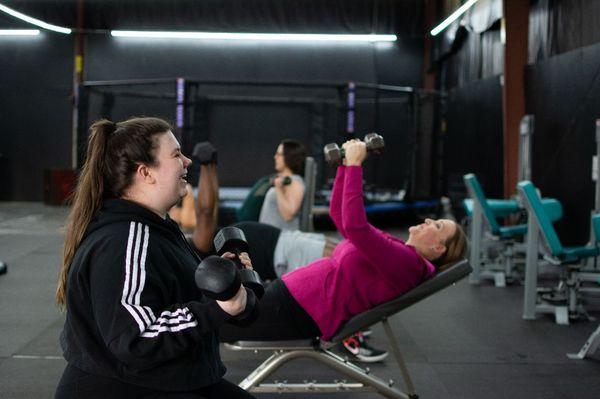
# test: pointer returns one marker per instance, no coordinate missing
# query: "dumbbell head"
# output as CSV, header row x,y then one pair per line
x,y
205,153
230,239
251,279
333,153
218,278
374,142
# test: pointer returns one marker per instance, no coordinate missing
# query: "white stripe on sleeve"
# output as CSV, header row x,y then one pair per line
x,y
135,280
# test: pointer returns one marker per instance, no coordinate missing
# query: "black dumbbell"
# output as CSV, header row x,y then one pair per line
x,y
205,153
334,154
286,180
218,278
231,239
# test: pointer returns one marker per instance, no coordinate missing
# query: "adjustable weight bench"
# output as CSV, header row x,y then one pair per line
x,y
286,351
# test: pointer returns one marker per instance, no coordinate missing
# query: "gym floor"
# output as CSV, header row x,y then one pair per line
x,y
464,342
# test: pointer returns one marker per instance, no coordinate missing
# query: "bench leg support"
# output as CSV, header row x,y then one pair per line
x,y
589,347
400,360
253,383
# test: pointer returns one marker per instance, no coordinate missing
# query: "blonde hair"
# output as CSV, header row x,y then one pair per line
x,y
456,248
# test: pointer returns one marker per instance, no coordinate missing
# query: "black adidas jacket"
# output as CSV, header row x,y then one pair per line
x,y
133,309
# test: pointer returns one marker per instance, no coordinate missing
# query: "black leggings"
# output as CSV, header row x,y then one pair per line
x,y
280,318
262,240
78,384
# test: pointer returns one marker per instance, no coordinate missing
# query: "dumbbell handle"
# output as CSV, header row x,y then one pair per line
x,y
369,148
231,239
249,278
286,180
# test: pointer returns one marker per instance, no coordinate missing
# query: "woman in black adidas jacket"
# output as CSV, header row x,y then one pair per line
x,y
136,325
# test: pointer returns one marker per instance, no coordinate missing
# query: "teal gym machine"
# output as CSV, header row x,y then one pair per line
x,y
493,247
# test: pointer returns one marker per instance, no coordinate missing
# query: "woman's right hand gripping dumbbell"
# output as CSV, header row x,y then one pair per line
x,y
237,304
355,152
219,278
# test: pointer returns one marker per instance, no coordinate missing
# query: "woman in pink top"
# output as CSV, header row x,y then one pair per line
x,y
367,268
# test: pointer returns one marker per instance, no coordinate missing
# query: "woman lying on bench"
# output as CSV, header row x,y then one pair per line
x,y
367,268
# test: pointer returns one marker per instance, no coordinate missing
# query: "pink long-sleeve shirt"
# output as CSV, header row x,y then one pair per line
x,y
367,268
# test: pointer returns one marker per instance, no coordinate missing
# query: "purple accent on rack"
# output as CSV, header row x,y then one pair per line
x,y
350,113
180,99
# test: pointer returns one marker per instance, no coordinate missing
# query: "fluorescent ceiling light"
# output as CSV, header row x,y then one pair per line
x,y
34,21
19,32
252,36
453,17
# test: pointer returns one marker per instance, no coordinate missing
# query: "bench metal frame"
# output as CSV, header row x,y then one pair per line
x,y
287,351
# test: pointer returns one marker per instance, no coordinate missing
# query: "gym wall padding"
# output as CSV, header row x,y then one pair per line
x,y
470,48
246,152
563,94
473,142
35,112
556,27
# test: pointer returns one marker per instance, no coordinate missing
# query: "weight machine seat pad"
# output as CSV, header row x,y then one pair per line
x,y
500,207
440,280
503,208
578,253
518,230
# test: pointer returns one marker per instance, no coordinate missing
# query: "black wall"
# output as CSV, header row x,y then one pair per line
x,y
473,142
35,112
563,94
37,72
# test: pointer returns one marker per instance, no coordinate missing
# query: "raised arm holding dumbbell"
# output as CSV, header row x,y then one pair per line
x,y
282,202
334,155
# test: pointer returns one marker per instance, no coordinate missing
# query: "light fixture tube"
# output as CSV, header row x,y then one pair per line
x,y
34,21
19,32
253,36
453,17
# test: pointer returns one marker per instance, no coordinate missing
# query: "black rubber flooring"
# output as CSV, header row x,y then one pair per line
x,y
465,342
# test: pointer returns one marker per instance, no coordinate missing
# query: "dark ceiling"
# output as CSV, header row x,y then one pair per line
x,y
402,17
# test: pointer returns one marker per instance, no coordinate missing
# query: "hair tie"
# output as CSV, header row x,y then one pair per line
x,y
112,128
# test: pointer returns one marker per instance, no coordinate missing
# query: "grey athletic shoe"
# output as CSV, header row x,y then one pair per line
x,y
357,349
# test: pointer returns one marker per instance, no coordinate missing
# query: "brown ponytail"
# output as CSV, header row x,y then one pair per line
x,y
87,199
113,153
